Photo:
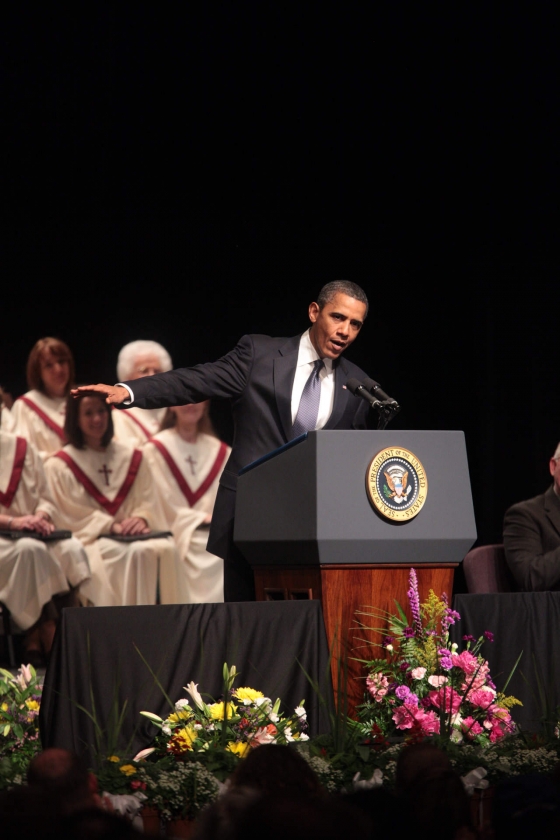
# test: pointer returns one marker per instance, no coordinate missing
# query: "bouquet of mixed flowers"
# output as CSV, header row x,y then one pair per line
x,y
243,719
20,701
425,686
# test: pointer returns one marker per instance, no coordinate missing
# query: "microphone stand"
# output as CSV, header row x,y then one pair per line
x,y
386,410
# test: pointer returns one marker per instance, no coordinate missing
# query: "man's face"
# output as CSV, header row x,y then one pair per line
x,y
336,325
555,473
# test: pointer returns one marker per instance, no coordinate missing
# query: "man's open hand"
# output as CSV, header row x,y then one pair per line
x,y
114,394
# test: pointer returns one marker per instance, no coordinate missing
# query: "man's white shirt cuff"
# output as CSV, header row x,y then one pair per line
x,y
131,400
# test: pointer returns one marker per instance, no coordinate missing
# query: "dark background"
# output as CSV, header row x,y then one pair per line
x,y
190,176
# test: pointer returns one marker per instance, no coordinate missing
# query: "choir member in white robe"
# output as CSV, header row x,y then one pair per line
x,y
6,418
134,425
186,465
32,571
39,414
103,487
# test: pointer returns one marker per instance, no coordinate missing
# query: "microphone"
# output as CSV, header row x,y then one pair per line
x,y
355,387
375,388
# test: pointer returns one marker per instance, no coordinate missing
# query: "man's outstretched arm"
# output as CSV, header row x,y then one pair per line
x,y
225,378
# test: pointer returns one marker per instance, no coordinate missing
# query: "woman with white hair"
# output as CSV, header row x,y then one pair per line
x,y
134,425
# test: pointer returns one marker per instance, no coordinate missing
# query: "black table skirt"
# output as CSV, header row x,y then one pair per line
x,y
94,661
520,621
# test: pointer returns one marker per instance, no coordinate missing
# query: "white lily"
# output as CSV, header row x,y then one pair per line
x,y
151,716
144,754
192,689
300,712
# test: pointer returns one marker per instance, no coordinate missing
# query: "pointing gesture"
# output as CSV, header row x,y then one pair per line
x,y
114,394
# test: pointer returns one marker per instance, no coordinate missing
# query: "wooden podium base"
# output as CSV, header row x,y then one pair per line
x,y
344,589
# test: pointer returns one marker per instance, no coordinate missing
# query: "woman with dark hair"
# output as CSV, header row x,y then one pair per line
x,y
39,414
187,459
104,492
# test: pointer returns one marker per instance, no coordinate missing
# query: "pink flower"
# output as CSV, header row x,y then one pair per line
x,y
264,735
465,661
470,727
418,673
437,681
377,686
447,699
404,718
429,722
481,698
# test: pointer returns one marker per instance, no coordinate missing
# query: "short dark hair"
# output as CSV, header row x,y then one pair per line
x,y
46,347
74,434
344,287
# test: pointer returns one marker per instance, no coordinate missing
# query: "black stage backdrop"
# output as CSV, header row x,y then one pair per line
x,y
98,654
526,623
193,174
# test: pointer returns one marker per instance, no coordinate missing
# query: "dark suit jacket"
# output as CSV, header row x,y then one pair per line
x,y
532,542
257,377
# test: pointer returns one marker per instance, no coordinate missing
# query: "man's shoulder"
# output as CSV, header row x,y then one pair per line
x,y
532,507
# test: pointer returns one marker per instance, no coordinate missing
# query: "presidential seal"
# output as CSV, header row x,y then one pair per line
x,y
396,484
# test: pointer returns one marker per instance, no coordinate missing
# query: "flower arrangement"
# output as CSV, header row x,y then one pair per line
x,y
20,701
425,686
242,720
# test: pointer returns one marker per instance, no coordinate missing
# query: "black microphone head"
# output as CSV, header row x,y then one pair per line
x,y
370,384
353,385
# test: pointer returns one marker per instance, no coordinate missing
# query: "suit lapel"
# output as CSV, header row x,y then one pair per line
x,y
552,507
340,395
284,374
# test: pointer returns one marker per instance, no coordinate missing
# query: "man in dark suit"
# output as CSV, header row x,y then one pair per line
x,y
532,537
278,388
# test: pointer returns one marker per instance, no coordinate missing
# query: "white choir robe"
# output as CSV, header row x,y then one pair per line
x,y
135,426
93,490
40,420
187,477
6,420
32,571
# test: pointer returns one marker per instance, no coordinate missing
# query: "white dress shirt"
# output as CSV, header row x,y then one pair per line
x,y
307,356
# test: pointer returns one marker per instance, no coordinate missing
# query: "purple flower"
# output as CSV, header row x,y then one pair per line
x,y
392,686
446,662
388,640
414,600
489,635
469,639
404,666
402,692
426,702
444,652
411,699
408,633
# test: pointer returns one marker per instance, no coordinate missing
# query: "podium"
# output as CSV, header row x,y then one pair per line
x,y
308,526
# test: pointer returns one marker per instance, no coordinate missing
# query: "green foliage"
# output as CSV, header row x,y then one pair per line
x,y
20,700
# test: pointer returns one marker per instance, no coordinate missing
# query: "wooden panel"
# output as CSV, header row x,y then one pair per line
x,y
296,583
345,591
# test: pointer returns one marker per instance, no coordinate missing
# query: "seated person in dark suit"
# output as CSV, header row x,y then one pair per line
x,y
278,389
532,537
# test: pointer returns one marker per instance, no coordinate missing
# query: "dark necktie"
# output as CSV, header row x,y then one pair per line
x,y
308,409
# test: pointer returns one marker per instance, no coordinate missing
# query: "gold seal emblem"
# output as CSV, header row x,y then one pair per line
x,y
396,484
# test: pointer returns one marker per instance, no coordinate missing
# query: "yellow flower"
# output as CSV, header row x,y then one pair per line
x,y
182,740
188,734
217,710
128,769
175,717
247,694
4,707
32,705
114,758
238,748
